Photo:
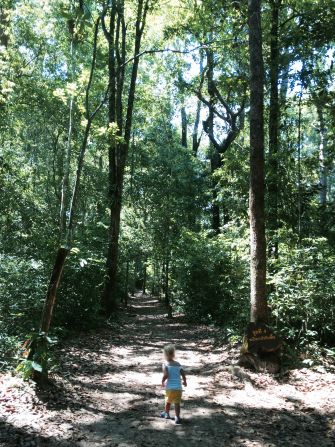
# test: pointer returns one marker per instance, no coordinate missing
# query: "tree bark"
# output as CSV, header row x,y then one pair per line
x,y
167,288
144,286
215,158
183,127
118,150
323,180
299,144
66,175
50,299
274,129
259,309
126,285
195,139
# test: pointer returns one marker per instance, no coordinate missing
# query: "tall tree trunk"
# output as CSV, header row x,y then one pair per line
x,y
323,180
274,129
299,163
118,150
215,158
167,287
195,138
259,308
66,175
183,127
126,285
144,286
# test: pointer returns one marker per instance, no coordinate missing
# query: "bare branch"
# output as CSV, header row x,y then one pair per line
x,y
210,106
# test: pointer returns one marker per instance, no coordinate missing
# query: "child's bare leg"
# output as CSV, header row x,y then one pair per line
x,y
167,408
177,410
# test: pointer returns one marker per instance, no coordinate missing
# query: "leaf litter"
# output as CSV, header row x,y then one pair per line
x,y
107,393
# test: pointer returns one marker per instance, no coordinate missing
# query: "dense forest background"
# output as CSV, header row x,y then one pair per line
x,y
176,151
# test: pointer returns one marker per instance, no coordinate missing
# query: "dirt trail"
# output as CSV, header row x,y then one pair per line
x,y
109,394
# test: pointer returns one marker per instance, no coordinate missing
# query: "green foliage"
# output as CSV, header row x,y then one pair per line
x,y
303,290
22,285
210,280
78,305
37,357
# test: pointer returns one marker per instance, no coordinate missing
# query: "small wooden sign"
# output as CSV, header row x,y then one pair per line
x,y
260,339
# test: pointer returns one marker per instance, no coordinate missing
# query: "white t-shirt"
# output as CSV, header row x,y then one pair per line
x,y
174,381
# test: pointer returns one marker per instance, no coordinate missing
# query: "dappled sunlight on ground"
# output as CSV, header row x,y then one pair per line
x,y
108,393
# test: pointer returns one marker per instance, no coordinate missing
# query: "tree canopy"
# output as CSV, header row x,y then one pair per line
x,y
125,137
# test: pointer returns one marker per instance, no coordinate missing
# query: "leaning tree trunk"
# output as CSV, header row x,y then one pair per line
x,y
55,278
64,251
259,309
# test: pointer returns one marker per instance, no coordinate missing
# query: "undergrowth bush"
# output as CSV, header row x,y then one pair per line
x,y
302,297
210,280
22,286
78,301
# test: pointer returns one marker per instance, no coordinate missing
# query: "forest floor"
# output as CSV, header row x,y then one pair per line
x,y
108,393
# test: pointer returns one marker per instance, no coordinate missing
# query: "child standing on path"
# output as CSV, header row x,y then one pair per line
x,y
172,373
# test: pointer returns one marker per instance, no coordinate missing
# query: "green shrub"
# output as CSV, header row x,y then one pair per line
x,y
210,280
22,286
302,295
78,301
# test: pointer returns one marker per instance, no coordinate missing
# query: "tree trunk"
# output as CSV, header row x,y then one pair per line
x,y
183,127
215,158
299,163
144,287
63,251
322,156
195,139
167,289
110,291
215,164
126,285
118,151
66,175
50,298
274,129
259,309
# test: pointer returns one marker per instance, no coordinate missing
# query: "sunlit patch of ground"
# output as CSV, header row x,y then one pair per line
x,y
108,393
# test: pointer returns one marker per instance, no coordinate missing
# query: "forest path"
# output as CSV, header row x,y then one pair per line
x,y
109,394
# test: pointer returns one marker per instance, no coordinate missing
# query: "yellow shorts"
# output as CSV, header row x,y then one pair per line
x,y
173,396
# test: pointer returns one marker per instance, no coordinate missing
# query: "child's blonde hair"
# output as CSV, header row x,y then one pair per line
x,y
169,352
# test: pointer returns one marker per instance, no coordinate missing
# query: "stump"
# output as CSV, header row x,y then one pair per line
x,y
261,349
